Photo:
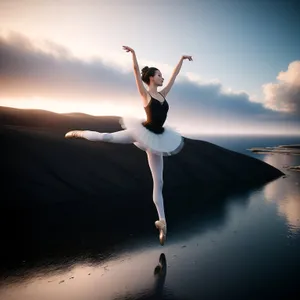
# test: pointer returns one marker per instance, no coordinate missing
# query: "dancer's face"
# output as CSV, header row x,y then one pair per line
x,y
158,78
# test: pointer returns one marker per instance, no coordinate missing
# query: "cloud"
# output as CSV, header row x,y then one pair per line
x,y
50,71
210,100
285,95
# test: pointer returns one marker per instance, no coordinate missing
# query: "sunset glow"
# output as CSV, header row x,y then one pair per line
x,y
73,62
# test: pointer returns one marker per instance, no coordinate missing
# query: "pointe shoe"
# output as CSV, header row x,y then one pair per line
x,y
162,227
74,134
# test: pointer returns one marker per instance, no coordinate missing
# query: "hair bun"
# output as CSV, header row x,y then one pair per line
x,y
145,69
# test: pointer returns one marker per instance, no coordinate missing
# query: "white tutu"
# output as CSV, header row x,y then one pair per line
x,y
167,143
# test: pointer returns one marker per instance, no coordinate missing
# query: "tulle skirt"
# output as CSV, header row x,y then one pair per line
x,y
167,143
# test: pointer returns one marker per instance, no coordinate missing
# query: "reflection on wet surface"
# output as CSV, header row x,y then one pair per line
x,y
285,192
142,273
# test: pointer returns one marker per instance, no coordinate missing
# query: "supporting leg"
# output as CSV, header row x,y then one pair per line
x,y
156,167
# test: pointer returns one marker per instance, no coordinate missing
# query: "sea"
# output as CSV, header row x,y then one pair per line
x,y
247,249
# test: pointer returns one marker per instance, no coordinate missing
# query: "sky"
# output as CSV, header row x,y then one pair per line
x,y
66,56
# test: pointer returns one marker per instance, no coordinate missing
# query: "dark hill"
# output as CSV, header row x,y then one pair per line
x,y
43,166
61,198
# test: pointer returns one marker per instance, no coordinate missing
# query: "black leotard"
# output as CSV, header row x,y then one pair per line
x,y
156,112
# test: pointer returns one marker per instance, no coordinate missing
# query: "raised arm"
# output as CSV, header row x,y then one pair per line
x,y
176,71
136,70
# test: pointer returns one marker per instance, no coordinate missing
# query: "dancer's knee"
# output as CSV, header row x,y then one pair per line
x,y
107,137
159,183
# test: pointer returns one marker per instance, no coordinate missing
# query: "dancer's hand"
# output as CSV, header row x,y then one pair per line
x,y
128,49
187,57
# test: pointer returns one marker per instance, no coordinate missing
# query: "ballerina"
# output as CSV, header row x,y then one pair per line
x,y
149,135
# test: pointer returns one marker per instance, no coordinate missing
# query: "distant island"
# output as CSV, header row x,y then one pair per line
x,y
286,149
281,149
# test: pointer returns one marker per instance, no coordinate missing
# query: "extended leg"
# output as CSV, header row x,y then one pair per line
x,y
119,137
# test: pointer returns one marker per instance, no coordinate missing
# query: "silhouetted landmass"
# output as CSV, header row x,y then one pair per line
x,y
44,167
67,196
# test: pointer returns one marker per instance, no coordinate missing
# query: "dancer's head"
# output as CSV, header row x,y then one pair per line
x,y
152,76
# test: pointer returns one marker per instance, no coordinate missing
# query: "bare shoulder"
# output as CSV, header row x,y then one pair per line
x,y
163,92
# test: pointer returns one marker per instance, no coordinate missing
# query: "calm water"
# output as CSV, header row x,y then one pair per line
x,y
248,249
